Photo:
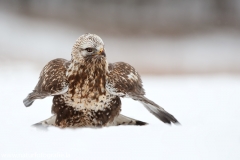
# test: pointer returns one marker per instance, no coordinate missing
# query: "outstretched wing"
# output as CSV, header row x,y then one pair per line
x,y
52,81
124,81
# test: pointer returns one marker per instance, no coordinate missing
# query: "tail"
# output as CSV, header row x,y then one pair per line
x,y
124,120
48,122
156,110
43,125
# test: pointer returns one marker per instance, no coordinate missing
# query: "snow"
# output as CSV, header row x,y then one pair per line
x,y
207,106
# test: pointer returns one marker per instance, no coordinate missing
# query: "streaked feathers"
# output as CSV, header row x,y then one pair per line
x,y
87,89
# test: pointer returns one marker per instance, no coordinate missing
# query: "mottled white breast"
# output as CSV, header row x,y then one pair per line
x,y
87,103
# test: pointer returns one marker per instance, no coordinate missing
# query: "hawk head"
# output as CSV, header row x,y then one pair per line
x,y
88,46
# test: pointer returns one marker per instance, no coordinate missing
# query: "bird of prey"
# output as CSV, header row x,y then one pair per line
x,y
86,90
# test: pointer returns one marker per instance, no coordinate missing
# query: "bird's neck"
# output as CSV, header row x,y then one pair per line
x,y
87,77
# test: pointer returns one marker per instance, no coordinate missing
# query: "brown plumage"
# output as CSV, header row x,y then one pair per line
x,y
52,81
87,89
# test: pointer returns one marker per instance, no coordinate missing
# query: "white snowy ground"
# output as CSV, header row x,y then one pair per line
x,y
208,108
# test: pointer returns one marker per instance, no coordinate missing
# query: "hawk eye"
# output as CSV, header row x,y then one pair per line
x,y
89,49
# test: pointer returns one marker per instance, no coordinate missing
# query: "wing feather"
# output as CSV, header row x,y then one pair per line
x,y
124,81
52,81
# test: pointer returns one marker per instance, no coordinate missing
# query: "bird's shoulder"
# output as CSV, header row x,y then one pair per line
x,y
53,77
125,79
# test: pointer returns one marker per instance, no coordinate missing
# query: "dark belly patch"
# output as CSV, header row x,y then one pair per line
x,y
67,116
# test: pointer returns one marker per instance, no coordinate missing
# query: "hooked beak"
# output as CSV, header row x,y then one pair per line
x,y
102,52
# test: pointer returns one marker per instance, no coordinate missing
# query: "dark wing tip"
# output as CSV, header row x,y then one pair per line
x,y
28,102
165,117
170,118
140,123
171,122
